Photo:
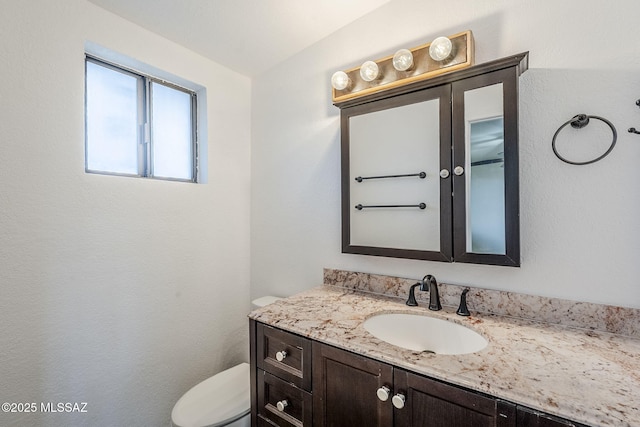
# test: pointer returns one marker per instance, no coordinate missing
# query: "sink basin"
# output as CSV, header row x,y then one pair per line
x,y
423,333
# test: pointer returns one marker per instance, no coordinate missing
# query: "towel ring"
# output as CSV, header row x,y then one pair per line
x,y
578,122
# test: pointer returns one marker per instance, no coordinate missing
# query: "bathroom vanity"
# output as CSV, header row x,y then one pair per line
x,y
353,390
313,363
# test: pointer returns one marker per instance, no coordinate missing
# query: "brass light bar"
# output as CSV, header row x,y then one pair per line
x,y
424,67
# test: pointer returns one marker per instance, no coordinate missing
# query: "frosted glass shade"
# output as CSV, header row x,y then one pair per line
x,y
403,60
369,71
440,48
339,80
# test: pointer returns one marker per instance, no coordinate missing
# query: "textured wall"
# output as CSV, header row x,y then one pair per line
x,y
119,292
580,225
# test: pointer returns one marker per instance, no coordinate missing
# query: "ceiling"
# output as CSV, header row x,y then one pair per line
x,y
247,36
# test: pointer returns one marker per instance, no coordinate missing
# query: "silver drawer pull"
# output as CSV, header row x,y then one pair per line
x,y
282,405
281,355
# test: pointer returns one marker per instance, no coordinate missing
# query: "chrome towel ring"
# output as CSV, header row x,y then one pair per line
x,y
578,122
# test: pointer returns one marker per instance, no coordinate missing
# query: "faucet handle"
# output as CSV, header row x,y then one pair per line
x,y
411,301
462,308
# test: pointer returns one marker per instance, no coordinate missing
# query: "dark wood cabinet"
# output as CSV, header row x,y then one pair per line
x,y
280,378
319,385
345,387
531,418
431,403
345,394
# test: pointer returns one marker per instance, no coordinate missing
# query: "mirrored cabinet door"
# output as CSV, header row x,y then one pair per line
x,y
394,201
485,158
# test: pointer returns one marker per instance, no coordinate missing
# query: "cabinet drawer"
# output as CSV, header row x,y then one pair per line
x,y
272,392
263,422
295,366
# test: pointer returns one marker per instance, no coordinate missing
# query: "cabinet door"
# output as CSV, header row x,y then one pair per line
x,y
430,403
530,418
486,219
344,389
394,202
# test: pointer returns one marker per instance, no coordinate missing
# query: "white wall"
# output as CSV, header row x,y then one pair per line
x,y
580,225
119,292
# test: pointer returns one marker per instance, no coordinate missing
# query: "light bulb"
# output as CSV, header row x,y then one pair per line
x,y
369,71
340,80
440,48
403,60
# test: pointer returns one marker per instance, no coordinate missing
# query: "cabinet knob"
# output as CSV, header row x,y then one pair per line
x,y
444,173
281,355
458,170
383,393
281,405
398,400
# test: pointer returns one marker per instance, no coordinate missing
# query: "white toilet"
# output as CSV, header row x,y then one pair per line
x,y
221,400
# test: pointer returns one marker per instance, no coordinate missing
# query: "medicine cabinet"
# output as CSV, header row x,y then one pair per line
x,y
430,169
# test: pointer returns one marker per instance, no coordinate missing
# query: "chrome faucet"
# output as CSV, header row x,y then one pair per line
x,y
427,284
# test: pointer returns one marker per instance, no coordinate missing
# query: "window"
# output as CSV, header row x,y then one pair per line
x,y
138,125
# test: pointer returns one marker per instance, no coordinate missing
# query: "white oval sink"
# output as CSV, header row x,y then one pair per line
x,y
422,333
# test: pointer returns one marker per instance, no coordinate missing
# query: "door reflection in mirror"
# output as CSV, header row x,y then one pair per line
x,y
485,170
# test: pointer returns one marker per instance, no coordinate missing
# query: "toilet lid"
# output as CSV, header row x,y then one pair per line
x,y
266,300
215,401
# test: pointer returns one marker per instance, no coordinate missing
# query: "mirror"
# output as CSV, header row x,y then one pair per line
x,y
394,202
484,121
392,142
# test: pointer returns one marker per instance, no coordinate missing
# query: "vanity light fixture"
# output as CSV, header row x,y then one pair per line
x,y
442,55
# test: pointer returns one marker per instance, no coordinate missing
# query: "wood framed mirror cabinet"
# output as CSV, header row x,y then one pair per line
x,y
430,169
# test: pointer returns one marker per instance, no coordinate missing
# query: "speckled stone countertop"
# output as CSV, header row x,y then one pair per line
x,y
588,376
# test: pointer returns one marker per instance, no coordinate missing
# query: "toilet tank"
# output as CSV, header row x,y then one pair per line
x,y
262,301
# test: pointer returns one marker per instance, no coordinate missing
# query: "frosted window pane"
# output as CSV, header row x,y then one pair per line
x,y
172,133
112,120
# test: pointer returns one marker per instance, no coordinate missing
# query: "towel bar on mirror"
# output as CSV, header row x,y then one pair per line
x,y
421,175
360,207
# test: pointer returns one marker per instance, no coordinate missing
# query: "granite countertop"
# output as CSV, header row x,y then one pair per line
x,y
588,376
